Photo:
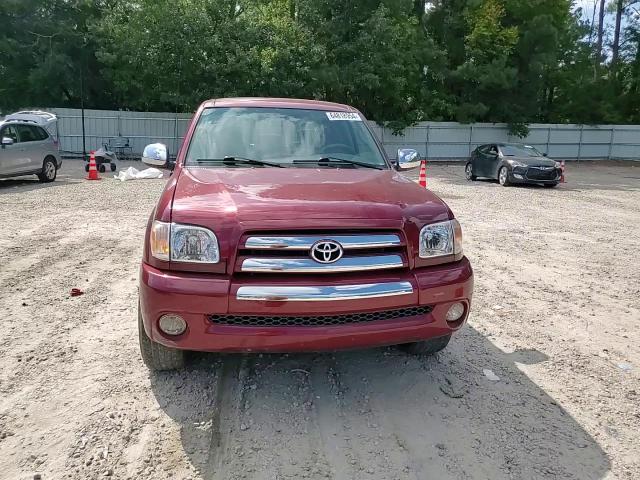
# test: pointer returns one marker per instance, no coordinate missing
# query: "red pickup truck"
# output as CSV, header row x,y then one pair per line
x,y
284,227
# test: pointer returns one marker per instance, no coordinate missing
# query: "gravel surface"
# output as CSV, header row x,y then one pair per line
x,y
543,383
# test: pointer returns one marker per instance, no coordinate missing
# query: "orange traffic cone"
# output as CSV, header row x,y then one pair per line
x,y
562,180
423,174
93,169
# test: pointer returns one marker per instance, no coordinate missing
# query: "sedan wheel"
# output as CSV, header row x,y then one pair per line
x,y
468,172
49,171
503,177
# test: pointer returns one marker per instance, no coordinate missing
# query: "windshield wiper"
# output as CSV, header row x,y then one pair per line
x,y
236,160
336,160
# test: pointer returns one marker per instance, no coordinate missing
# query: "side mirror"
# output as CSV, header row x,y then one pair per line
x,y
155,154
408,158
7,141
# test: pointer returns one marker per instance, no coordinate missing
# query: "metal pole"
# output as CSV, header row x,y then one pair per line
x,y
580,142
426,144
611,137
470,137
548,139
175,134
84,137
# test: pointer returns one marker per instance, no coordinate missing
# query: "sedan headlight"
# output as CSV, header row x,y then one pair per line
x,y
183,243
440,239
558,165
515,163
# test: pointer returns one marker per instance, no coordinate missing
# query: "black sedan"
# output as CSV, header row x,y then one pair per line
x,y
511,163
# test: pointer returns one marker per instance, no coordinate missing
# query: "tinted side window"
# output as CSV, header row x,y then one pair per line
x,y
483,148
11,132
41,133
26,133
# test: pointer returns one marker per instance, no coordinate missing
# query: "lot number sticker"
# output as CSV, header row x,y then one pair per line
x,y
348,116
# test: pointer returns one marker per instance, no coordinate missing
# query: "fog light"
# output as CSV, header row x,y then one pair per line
x,y
172,324
455,312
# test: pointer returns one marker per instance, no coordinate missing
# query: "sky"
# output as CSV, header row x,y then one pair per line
x,y
587,8
587,11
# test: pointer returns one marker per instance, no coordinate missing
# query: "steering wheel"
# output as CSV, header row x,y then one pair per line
x,y
337,148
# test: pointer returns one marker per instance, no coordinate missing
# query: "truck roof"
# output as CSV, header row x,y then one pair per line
x,y
278,103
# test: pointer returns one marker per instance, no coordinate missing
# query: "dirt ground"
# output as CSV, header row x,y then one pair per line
x,y
556,317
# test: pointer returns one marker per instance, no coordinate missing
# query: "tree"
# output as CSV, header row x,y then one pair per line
x,y
399,61
615,49
601,16
45,48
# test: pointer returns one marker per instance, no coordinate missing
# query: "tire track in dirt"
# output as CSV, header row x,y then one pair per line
x,y
347,413
229,402
331,422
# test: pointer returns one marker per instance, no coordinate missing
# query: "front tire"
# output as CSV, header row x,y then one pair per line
x,y
468,172
428,347
49,170
157,357
503,177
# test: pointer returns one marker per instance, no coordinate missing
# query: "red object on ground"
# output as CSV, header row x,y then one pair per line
x,y
562,180
93,169
76,292
248,209
423,174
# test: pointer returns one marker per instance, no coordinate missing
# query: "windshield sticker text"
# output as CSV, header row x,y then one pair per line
x,y
348,116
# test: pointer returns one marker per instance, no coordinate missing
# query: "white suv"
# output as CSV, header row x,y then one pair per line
x,y
28,146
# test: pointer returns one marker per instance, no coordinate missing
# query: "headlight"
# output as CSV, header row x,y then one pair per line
x,y
558,165
515,163
440,239
183,243
159,240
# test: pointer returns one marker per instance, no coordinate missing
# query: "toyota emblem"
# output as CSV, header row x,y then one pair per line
x,y
326,251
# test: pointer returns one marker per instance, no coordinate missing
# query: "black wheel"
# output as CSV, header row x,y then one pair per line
x,y
468,172
503,177
86,167
113,167
102,168
428,347
550,185
49,170
155,356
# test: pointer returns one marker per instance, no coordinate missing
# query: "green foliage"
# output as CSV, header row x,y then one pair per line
x,y
44,45
399,61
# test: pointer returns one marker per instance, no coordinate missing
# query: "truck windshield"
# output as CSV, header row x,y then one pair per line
x,y
286,136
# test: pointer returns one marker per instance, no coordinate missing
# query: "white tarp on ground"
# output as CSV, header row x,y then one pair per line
x,y
135,174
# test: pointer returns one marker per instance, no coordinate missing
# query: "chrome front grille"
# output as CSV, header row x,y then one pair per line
x,y
291,253
304,242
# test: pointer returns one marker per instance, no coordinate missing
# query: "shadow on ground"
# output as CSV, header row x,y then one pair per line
x,y
25,184
376,414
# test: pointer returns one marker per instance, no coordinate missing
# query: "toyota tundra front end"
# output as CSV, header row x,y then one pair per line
x,y
285,228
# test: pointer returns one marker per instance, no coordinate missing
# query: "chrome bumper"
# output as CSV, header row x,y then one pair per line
x,y
323,293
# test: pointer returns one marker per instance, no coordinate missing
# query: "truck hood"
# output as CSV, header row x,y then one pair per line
x,y
206,195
